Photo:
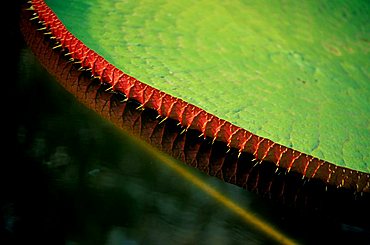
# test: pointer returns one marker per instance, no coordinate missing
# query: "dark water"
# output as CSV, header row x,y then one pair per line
x,y
69,177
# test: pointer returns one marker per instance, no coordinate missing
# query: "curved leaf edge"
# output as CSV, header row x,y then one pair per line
x,y
190,116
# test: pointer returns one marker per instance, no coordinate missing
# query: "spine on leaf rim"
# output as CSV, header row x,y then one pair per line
x,y
191,116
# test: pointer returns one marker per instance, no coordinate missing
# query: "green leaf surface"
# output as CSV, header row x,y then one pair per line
x,y
295,72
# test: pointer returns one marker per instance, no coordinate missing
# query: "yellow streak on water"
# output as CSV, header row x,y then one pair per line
x,y
247,216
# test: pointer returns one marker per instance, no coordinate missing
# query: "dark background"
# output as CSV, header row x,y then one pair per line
x,y
94,198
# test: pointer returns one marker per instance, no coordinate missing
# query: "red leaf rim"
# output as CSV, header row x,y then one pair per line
x,y
191,116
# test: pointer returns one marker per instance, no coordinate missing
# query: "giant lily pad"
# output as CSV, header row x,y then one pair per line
x,y
295,73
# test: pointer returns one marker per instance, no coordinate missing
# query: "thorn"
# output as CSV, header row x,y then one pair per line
x,y
31,7
34,18
201,135
124,100
78,62
49,33
68,53
139,107
158,116
110,88
42,28
81,69
70,59
228,150
58,46
164,119
239,154
183,131
213,140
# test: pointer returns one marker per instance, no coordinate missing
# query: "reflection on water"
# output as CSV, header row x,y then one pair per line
x,y
91,184
98,186
76,180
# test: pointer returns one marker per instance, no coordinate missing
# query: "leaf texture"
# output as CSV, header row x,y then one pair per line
x,y
295,73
